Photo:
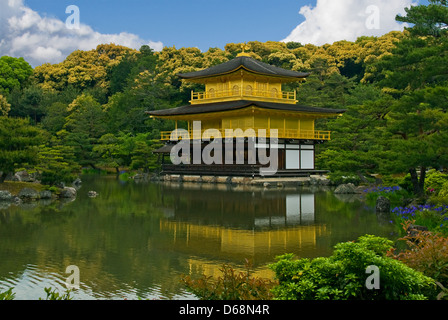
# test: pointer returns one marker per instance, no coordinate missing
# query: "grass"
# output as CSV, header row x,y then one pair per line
x,y
14,187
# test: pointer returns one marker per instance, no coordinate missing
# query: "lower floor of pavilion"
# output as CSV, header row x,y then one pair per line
x,y
240,158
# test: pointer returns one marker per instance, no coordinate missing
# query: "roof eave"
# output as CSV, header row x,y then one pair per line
x,y
292,78
244,104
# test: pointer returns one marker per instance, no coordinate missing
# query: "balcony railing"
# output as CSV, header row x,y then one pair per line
x,y
265,95
251,133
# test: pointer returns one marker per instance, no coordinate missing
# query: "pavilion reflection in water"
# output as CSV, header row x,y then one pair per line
x,y
231,226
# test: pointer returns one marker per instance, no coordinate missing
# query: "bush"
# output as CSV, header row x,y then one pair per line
x,y
395,194
343,275
232,285
434,182
125,176
442,196
55,177
406,183
338,178
426,252
7,295
434,217
52,294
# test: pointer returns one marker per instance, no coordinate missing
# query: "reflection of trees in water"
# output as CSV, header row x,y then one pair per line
x,y
142,236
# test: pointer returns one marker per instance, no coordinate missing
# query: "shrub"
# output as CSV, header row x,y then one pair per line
x,y
442,196
395,194
125,176
406,183
342,276
52,294
53,189
232,285
426,252
434,217
7,295
434,182
338,178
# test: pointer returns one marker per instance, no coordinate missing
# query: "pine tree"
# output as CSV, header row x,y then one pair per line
x,y
19,143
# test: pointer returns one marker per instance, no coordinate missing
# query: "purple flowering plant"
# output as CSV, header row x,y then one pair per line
x,y
395,194
434,217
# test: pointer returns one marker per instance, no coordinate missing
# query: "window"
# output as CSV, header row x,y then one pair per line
x,y
249,91
222,88
292,159
307,159
274,93
236,90
262,87
211,93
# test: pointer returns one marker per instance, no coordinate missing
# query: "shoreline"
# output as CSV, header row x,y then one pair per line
x,y
26,193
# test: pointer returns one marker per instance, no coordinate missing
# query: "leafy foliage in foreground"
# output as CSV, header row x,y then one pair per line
x,y
426,252
7,295
52,294
232,285
343,275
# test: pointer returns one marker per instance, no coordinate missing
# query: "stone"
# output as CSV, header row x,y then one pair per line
x,y
60,185
195,179
9,177
208,179
23,176
413,230
141,176
360,189
239,180
28,194
382,204
68,192
92,194
176,178
5,196
222,179
45,194
348,188
5,205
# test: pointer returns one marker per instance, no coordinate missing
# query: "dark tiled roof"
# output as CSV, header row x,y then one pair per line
x,y
239,104
165,149
247,63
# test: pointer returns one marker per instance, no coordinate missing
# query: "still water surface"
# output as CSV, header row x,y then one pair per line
x,y
135,240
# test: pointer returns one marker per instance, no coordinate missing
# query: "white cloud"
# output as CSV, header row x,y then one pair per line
x,y
25,33
334,20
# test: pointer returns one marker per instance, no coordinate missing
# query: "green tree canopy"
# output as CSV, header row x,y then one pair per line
x,y
426,20
14,73
85,124
56,163
18,144
5,107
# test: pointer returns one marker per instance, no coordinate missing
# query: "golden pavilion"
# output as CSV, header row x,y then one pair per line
x,y
243,98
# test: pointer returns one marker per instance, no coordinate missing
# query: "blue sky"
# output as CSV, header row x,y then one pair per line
x,y
37,29
183,23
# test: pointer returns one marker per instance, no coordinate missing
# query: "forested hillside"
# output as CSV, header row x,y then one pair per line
x,y
88,111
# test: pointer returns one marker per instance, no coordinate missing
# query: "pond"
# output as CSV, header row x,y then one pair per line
x,y
136,240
